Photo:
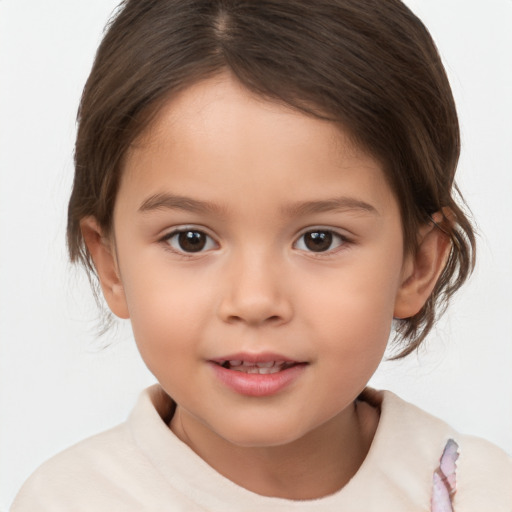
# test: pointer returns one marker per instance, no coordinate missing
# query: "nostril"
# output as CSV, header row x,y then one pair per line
x,y
255,319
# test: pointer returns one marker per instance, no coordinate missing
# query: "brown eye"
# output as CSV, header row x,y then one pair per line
x,y
319,241
190,241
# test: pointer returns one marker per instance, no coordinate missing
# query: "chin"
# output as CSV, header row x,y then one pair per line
x,y
260,434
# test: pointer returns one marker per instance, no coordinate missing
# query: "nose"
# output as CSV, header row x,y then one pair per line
x,y
255,293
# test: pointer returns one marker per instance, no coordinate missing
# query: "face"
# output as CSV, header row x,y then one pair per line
x,y
260,255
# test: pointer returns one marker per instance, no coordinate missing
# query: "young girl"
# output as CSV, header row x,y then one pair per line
x,y
263,188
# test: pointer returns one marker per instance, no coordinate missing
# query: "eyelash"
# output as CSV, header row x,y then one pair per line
x,y
210,243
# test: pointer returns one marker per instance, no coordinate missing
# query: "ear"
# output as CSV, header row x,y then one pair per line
x,y
422,269
102,251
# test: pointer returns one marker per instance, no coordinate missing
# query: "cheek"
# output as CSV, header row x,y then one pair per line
x,y
360,296
353,311
166,311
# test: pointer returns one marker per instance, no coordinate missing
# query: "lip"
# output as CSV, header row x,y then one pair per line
x,y
253,384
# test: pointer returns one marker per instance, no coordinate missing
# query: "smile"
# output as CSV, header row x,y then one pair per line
x,y
257,375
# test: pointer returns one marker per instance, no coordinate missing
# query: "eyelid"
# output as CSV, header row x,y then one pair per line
x,y
179,228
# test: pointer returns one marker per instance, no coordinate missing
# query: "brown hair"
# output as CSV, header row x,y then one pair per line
x,y
370,65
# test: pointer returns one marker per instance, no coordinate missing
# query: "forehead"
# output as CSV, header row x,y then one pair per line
x,y
220,106
218,138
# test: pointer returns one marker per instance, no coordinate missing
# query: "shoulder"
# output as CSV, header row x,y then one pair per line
x,y
108,471
485,476
89,465
483,470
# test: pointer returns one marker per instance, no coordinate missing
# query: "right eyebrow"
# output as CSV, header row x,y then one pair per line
x,y
166,201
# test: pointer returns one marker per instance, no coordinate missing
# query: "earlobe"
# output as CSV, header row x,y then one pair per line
x,y
103,255
422,269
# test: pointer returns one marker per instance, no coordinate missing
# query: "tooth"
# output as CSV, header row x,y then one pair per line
x,y
268,364
235,362
261,368
247,363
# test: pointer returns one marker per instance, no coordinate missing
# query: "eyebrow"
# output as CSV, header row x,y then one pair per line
x,y
174,202
334,204
166,201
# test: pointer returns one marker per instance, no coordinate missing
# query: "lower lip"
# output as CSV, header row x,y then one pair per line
x,y
254,384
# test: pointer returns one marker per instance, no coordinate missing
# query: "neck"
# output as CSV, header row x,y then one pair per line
x,y
316,465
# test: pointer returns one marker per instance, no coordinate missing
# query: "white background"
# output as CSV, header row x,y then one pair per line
x,y
58,384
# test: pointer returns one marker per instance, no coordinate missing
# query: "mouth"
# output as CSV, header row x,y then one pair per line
x,y
256,367
257,375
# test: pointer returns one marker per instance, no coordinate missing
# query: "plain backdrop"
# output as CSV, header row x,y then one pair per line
x,y
59,383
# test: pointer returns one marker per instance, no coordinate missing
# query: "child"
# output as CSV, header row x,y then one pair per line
x,y
261,187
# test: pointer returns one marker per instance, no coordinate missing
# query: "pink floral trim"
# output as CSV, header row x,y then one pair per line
x,y
445,479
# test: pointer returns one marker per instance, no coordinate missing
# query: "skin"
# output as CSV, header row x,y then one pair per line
x,y
257,286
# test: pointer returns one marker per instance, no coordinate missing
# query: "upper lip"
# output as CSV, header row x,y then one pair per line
x,y
263,357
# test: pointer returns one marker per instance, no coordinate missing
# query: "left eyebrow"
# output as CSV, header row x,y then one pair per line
x,y
327,205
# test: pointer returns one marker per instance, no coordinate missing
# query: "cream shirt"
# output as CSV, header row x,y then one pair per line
x,y
141,465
